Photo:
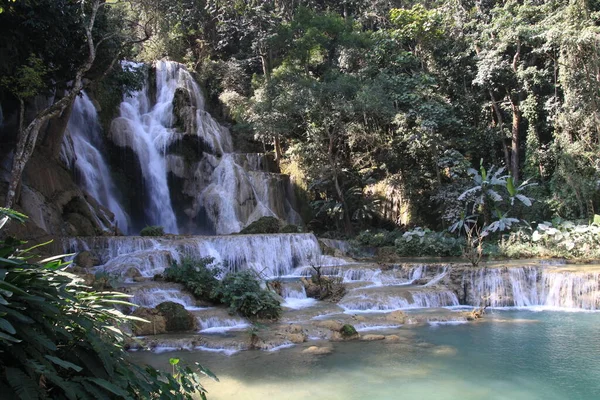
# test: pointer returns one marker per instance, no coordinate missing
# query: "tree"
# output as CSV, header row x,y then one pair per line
x,y
89,13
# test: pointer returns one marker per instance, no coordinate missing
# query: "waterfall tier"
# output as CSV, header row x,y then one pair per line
x,y
269,255
83,149
193,182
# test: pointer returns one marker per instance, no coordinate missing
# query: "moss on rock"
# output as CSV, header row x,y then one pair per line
x,y
262,225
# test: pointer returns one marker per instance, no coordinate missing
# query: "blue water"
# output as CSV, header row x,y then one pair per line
x,y
510,355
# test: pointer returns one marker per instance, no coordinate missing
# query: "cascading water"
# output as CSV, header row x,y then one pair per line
x,y
534,287
269,255
147,130
222,192
82,149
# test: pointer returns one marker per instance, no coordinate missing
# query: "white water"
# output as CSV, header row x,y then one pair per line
x,y
294,296
82,149
152,297
269,255
220,325
231,190
553,288
147,130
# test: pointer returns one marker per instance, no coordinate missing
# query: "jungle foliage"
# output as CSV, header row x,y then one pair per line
x,y
382,106
241,291
61,340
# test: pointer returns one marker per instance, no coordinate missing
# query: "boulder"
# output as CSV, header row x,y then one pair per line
x,y
177,318
132,273
371,338
87,259
156,326
392,338
262,225
317,350
331,325
396,316
294,333
295,337
444,351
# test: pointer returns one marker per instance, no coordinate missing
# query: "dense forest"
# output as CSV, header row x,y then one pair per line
x,y
378,109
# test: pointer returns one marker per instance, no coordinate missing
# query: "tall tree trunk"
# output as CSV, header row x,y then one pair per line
x,y
56,131
516,121
28,137
500,125
338,189
277,147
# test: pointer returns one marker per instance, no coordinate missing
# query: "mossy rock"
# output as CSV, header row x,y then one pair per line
x,y
177,318
152,231
291,229
262,225
348,331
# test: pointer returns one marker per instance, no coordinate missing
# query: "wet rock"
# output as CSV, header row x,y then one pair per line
x,y
294,333
371,338
156,325
177,318
295,337
393,338
87,259
396,316
317,350
445,351
132,273
331,325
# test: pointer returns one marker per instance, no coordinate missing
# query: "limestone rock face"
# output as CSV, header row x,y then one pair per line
x,y
56,206
177,318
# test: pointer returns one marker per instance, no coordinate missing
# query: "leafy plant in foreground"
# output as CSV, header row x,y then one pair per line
x,y
60,340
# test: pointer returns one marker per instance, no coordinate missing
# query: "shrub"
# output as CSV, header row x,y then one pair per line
x,y
262,225
241,291
59,340
377,238
152,231
291,229
198,276
557,239
423,242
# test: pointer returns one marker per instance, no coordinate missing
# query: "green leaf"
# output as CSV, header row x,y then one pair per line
x,y
22,384
109,386
64,364
510,186
7,326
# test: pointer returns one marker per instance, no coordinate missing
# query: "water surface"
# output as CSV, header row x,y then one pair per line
x,y
509,355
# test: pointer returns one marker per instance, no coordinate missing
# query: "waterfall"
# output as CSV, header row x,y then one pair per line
x,y
82,149
223,192
270,255
548,287
147,130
